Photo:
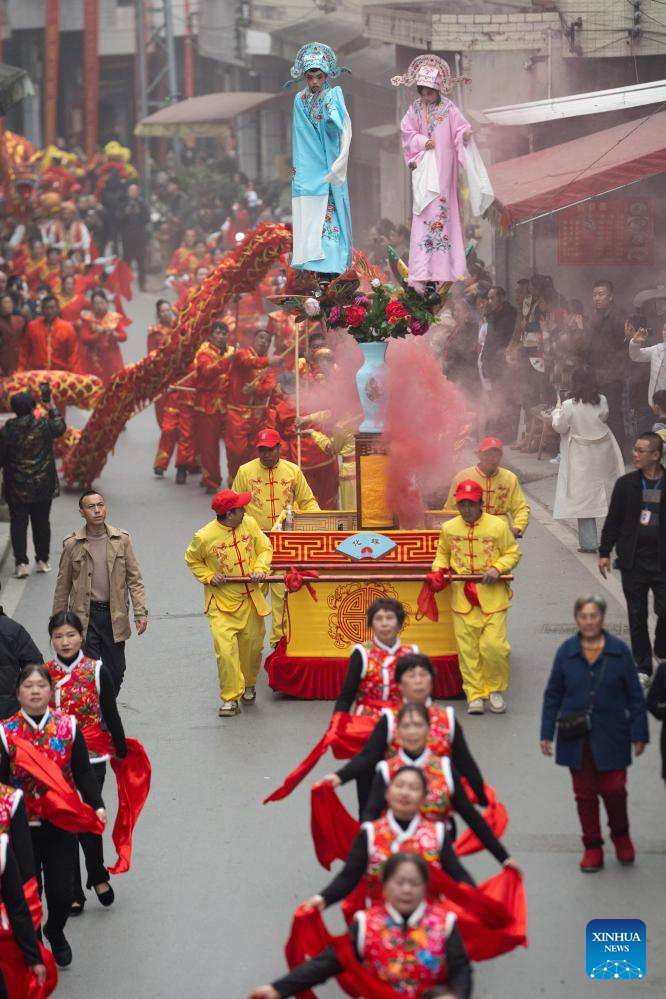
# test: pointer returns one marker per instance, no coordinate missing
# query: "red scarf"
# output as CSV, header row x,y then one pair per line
x,y
333,829
19,978
133,780
346,735
61,805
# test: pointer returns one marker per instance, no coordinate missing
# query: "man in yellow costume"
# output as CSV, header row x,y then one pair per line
x,y
479,543
502,495
273,484
233,545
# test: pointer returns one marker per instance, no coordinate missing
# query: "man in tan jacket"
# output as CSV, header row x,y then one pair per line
x,y
97,575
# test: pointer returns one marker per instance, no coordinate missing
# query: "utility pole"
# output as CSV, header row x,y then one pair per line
x,y
155,38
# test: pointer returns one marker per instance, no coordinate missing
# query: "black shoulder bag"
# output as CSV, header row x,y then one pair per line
x,y
579,723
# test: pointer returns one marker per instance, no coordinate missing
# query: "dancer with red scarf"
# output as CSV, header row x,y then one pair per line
x,y
414,676
45,755
84,688
21,957
400,947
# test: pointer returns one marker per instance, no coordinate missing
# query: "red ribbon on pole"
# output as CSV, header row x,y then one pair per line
x,y
433,583
296,579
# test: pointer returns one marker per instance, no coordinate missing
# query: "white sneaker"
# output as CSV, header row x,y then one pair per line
x,y
228,709
475,707
22,571
43,566
497,703
249,696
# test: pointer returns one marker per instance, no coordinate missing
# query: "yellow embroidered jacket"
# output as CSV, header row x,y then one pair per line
x,y
502,495
473,548
272,489
235,552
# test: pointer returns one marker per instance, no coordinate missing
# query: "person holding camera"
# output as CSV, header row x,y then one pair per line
x,y
655,356
30,480
594,700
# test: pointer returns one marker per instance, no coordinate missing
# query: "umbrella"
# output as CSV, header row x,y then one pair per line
x,y
203,116
15,84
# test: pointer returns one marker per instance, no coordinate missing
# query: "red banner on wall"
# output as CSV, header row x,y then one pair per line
x,y
91,75
51,70
618,231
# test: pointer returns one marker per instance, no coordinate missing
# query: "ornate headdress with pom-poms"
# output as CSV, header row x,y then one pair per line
x,y
315,55
429,71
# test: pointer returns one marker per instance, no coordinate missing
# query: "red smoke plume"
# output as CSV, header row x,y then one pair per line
x,y
425,415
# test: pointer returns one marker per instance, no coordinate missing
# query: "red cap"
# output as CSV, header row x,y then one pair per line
x,y
227,500
489,443
268,438
468,489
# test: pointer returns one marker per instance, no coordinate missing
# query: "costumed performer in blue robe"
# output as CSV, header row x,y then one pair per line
x,y
321,137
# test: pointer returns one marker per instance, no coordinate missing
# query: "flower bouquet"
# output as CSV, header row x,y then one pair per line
x,y
383,312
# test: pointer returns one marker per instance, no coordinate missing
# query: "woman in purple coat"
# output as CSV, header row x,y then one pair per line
x,y
594,672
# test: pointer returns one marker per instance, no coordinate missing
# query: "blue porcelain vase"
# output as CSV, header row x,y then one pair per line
x,y
370,381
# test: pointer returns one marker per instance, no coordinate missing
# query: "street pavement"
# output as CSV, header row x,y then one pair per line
x,y
215,877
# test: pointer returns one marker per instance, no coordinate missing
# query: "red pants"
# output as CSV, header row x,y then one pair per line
x,y
589,785
159,412
324,481
240,437
208,429
177,427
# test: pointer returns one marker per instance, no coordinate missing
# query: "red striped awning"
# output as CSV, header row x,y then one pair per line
x,y
551,179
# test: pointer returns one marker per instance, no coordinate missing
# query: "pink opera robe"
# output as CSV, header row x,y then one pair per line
x,y
436,249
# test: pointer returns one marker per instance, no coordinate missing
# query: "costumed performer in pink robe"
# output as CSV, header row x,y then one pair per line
x,y
434,134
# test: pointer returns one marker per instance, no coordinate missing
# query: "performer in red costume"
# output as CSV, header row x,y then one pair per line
x,y
14,823
49,343
102,330
445,794
248,397
45,755
319,462
403,946
181,260
84,688
370,681
34,267
211,367
72,302
22,947
414,677
158,337
178,429
402,828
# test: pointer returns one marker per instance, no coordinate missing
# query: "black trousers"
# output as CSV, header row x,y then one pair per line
x,y
637,583
93,849
614,392
135,249
55,862
38,515
100,644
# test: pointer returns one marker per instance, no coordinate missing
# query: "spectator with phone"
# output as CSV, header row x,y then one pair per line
x,y
30,480
655,356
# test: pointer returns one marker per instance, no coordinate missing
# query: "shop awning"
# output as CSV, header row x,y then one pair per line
x,y
15,84
202,116
549,180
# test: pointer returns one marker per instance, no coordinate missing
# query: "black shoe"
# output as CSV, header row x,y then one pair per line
x,y
181,476
60,949
106,898
77,907
159,472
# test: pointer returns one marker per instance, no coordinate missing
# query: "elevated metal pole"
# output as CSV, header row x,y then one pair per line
x,y
172,74
142,80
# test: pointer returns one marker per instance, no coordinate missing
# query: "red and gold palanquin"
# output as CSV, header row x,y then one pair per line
x,y
311,660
